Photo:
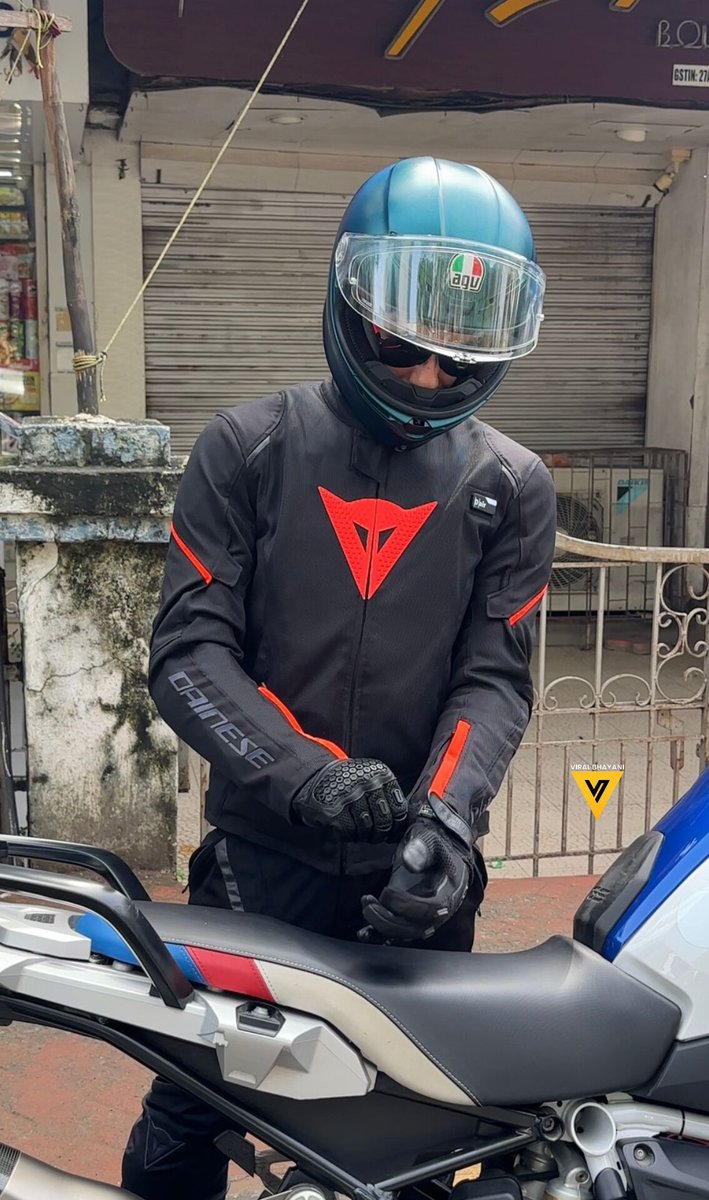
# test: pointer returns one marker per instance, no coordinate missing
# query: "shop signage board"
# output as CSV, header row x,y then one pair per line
x,y
474,54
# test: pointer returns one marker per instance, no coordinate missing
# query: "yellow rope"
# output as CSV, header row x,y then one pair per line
x,y
88,362
85,362
44,24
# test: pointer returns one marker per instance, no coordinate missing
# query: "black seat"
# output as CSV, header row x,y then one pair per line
x,y
549,1023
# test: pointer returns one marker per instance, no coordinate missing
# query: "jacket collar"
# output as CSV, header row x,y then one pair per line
x,y
368,457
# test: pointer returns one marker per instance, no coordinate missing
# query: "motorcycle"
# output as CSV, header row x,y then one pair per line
x,y
575,1069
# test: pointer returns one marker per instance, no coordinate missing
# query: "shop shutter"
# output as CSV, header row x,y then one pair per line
x,y
235,312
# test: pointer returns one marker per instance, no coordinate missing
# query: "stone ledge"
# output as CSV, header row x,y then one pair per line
x,y
97,441
65,493
85,529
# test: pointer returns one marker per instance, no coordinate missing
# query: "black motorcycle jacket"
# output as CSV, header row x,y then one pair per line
x,y
325,596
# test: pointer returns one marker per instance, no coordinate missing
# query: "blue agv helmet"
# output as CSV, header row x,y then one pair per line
x,y
431,256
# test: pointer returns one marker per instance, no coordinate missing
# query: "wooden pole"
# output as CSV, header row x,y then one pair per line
x,y
77,304
28,20
8,804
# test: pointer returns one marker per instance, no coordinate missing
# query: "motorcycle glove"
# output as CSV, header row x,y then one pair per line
x,y
430,877
358,799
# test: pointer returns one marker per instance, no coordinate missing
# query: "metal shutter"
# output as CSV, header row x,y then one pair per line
x,y
585,385
235,312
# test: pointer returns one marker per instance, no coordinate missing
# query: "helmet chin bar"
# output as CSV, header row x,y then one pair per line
x,y
423,403
398,414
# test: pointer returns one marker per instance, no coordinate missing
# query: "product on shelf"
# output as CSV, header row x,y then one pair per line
x,y
19,327
14,223
20,390
11,195
29,299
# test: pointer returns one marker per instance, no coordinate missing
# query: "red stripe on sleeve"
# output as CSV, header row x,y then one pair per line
x,y
206,575
527,608
286,712
449,762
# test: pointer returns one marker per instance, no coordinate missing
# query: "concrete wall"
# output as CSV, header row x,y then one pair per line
x,y
678,386
117,236
101,764
87,503
545,180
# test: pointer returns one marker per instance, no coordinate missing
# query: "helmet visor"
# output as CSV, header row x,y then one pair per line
x,y
465,300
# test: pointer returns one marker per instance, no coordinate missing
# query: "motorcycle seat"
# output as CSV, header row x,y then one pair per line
x,y
548,1023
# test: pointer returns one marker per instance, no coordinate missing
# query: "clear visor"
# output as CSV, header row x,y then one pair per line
x,y
465,300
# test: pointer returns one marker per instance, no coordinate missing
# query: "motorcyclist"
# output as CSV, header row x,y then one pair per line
x,y
349,603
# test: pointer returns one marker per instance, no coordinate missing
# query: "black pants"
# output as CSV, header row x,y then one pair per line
x,y
170,1153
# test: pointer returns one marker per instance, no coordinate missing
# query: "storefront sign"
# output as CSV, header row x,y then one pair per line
x,y
506,10
409,54
500,13
687,35
688,76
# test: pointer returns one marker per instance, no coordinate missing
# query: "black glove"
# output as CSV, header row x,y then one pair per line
x,y
430,878
359,799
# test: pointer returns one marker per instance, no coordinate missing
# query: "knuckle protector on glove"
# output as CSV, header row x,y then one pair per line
x,y
356,798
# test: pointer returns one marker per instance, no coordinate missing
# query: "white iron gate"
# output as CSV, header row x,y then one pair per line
x,y
638,701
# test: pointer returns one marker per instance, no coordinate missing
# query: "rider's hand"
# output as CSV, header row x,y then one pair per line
x,y
430,878
358,799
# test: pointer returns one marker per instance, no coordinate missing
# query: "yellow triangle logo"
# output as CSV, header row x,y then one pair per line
x,y
597,787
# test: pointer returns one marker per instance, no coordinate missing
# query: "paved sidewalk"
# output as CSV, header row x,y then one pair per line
x,y
71,1101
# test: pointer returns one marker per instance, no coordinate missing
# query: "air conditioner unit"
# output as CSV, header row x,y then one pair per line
x,y
607,504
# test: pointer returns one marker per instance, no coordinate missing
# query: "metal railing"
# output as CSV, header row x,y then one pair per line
x,y
635,694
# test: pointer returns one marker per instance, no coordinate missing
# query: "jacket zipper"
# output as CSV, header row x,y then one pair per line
x,y
358,652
